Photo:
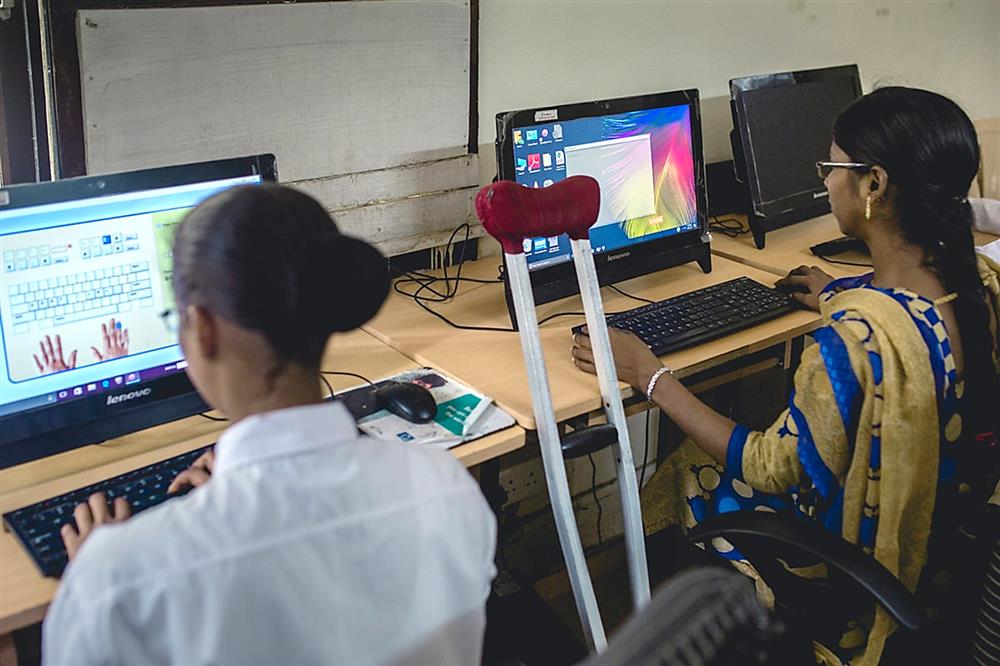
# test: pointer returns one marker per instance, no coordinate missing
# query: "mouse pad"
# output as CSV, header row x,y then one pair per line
x,y
463,414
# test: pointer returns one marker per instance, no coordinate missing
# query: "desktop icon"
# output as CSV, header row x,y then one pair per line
x,y
553,241
527,245
539,244
91,388
522,164
63,394
557,132
547,160
105,384
132,378
118,381
534,161
531,135
546,182
535,185
545,133
560,158
78,390
518,138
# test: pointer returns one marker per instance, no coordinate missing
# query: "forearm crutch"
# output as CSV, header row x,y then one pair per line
x,y
511,213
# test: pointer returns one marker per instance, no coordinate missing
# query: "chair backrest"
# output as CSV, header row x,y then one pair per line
x,y
704,616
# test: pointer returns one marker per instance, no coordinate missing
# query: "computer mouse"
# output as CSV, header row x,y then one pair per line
x,y
409,401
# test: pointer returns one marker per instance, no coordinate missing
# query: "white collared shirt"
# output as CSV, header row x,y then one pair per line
x,y
310,545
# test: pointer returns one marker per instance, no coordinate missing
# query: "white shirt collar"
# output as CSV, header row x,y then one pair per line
x,y
282,433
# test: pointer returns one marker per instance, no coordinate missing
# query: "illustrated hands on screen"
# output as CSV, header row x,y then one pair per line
x,y
114,344
52,359
115,339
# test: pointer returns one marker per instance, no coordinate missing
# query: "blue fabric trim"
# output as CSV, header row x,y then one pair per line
x,y
934,349
846,388
866,531
833,517
734,451
812,463
875,457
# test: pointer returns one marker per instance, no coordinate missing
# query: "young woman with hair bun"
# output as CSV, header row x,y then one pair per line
x,y
303,541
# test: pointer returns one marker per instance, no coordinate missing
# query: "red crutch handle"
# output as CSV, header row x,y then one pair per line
x,y
511,212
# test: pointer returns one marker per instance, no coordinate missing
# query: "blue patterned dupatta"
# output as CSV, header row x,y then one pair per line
x,y
869,433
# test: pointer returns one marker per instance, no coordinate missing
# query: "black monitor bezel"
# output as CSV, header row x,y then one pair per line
x,y
553,282
801,205
58,427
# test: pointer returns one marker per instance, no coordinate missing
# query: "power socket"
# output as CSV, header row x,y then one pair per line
x,y
523,480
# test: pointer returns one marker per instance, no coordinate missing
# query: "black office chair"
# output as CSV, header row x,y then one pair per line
x,y
701,617
819,608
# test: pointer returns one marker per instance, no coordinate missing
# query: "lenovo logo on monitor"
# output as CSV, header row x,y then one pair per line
x,y
616,257
131,395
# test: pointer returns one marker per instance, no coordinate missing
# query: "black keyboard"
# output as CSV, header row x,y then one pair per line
x,y
38,525
699,316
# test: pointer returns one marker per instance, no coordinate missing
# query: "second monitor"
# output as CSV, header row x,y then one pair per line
x,y
645,152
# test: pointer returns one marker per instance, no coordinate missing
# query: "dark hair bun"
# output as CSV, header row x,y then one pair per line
x,y
356,283
271,259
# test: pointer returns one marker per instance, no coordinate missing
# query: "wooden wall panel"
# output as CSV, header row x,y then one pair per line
x,y
365,104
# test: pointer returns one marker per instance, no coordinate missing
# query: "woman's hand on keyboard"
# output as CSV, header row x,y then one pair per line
x,y
199,473
95,511
115,341
805,284
52,359
634,361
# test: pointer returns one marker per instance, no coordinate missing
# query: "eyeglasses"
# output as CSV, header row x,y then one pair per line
x,y
823,169
172,320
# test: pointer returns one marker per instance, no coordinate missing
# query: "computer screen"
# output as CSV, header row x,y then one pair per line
x,y
785,122
643,161
646,154
85,281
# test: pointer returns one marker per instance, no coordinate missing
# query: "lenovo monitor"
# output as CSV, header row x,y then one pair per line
x,y
84,353
782,126
646,154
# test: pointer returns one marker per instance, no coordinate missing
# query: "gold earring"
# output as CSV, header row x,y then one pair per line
x,y
868,207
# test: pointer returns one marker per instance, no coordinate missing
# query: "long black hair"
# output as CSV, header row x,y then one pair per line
x,y
270,259
928,146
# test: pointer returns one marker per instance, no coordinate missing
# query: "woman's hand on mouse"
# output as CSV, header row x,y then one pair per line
x,y
805,284
198,474
88,515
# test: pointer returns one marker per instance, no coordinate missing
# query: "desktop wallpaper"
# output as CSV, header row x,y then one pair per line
x,y
643,161
674,200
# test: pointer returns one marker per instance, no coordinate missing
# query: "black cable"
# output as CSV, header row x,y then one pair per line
x,y
845,263
627,295
729,226
348,374
212,418
645,453
328,387
593,491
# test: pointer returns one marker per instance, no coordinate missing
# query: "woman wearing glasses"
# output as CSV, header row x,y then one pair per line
x,y
304,542
888,403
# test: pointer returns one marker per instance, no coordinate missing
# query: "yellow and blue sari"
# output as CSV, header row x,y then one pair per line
x,y
872,430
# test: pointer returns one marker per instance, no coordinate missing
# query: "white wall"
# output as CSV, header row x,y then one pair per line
x,y
535,53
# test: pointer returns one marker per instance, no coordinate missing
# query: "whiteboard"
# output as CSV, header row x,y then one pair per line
x,y
372,94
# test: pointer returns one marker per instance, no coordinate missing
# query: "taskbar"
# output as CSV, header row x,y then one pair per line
x,y
95,387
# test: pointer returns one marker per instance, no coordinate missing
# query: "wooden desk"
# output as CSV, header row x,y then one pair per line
x,y
25,595
788,248
492,361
